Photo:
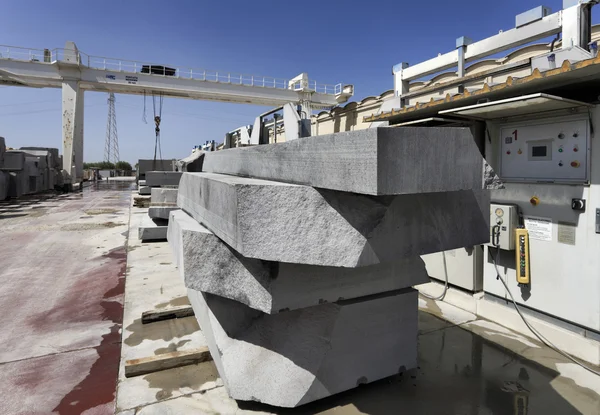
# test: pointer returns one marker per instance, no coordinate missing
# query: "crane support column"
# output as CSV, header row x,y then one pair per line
x,y
72,114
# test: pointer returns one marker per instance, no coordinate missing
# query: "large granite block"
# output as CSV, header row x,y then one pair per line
x,y
161,212
18,184
4,184
14,160
192,163
163,195
299,224
376,161
2,151
292,358
207,264
162,178
145,191
146,165
53,156
152,230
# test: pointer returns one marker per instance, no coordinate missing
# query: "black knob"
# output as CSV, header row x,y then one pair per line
x,y
578,204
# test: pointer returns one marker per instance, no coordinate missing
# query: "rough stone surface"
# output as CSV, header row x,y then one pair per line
x,y
152,230
376,161
207,264
14,160
163,195
162,178
161,212
299,224
192,163
4,184
292,358
144,190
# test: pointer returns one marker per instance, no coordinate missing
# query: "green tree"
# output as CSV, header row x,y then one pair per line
x,y
103,165
123,165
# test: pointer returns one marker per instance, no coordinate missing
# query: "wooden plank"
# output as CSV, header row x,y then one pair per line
x,y
167,314
145,365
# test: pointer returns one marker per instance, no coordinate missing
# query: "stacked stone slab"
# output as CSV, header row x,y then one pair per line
x,y
163,200
299,260
29,170
145,165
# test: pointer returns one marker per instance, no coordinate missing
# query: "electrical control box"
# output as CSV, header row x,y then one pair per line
x,y
551,151
522,256
504,220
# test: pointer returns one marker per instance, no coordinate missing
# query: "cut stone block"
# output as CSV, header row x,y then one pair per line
x,y
18,184
375,161
4,184
164,195
192,163
282,222
207,264
161,212
162,178
53,156
152,230
14,160
2,151
292,358
144,190
146,165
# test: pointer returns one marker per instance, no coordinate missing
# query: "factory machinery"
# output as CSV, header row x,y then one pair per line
x,y
535,117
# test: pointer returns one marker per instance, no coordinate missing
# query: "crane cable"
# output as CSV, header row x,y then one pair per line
x,y
157,120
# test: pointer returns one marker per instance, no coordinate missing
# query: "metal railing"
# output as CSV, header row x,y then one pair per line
x,y
136,67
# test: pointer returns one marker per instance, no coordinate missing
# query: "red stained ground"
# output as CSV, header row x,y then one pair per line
x,y
62,346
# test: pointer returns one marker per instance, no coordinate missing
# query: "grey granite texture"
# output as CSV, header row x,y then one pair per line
x,y
376,161
295,357
209,265
282,222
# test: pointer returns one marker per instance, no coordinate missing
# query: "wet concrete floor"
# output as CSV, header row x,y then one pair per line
x,y
62,265
459,373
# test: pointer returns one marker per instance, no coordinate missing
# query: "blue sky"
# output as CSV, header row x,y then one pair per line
x,y
334,41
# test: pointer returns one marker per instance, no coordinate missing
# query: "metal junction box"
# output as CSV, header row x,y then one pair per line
x,y
503,222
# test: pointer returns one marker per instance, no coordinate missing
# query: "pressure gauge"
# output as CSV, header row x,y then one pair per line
x,y
499,212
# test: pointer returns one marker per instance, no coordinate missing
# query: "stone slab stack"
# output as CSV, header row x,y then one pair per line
x,y
163,199
146,165
299,257
29,170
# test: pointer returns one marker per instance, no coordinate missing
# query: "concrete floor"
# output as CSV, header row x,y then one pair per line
x,y
62,265
62,262
467,365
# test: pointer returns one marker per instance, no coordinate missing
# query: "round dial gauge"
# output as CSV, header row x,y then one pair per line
x,y
499,212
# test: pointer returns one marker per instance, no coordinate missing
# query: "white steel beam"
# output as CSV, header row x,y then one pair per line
x,y
43,74
547,26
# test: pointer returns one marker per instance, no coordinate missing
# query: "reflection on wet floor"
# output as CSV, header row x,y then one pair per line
x,y
459,373
22,206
